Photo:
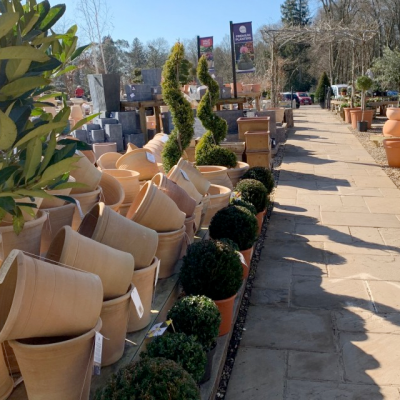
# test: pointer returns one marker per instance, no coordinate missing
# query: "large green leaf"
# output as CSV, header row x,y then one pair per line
x,y
68,185
5,173
51,147
43,8
66,152
22,53
7,21
30,20
7,203
8,131
17,68
18,221
84,121
33,157
23,85
79,51
65,71
49,65
56,170
54,14
40,131
80,145
34,193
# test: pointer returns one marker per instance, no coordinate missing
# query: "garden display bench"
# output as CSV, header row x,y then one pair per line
x,y
240,100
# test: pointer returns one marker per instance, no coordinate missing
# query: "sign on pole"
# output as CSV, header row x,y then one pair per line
x,y
206,48
244,49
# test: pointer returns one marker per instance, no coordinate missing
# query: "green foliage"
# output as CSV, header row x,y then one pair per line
x,y
235,223
262,174
207,153
182,114
185,72
197,316
323,83
31,55
150,379
182,349
245,204
387,69
295,13
254,192
211,268
363,83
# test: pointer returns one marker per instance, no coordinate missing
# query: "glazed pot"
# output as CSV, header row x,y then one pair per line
x,y
393,113
85,173
42,299
6,382
101,148
140,160
260,219
225,308
57,368
359,115
112,193
392,148
129,181
216,175
169,250
114,267
391,128
112,229
236,173
191,228
114,315
154,209
252,124
209,365
181,179
195,176
145,281
219,198
86,202
181,198
108,160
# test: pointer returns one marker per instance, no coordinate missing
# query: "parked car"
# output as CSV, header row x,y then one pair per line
x,y
287,96
392,93
305,98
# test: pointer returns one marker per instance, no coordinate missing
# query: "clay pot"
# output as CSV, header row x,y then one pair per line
x,y
225,308
393,113
42,299
195,176
112,193
140,160
76,113
101,148
112,229
145,281
154,209
130,147
347,117
56,202
155,151
10,359
260,220
57,368
114,267
176,175
247,255
391,128
6,382
169,251
259,159
191,228
256,87
28,216
219,198
181,198
86,202
236,173
215,174
85,173
252,124
236,147
198,214
28,240
257,141
392,148
359,115
124,208
58,217
108,160
114,315
129,181
89,154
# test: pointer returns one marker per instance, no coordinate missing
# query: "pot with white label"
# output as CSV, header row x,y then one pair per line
x,y
181,178
140,160
199,181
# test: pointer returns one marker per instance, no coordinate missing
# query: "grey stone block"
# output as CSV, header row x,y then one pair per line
x,y
91,127
167,123
104,90
225,92
82,135
231,116
156,90
107,121
137,139
113,132
272,120
138,92
151,133
97,136
128,120
152,76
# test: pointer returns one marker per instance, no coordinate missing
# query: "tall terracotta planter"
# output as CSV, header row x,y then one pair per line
x,y
114,267
114,315
190,226
236,173
101,148
216,175
57,369
6,382
112,193
85,173
181,198
178,176
252,124
154,209
86,202
129,181
28,240
347,117
225,307
108,227
359,115
39,299
260,219
108,160
219,198
140,160
391,128
169,251
392,148
257,141
145,282
393,113
195,176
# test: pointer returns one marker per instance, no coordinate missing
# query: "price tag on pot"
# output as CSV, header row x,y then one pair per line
x,y
157,272
150,157
185,175
98,350
164,138
137,302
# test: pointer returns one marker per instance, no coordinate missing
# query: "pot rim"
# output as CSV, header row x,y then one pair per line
x,y
28,224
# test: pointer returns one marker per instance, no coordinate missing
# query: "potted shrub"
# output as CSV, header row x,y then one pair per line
x,y
151,378
362,119
198,316
246,204
262,174
213,269
342,112
182,349
320,93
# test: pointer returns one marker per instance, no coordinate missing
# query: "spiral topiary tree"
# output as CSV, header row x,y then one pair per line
x,y
207,151
182,114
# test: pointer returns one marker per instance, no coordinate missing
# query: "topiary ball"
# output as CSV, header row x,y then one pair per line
x,y
245,204
182,349
197,316
212,269
254,192
262,174
150,379
208,153
235,223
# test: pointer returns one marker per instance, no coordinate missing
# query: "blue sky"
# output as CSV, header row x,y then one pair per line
x,y
181,19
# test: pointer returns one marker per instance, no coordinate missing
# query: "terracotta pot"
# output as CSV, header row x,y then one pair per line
x,y
86,202
140,160
114,315
112,193
195,176
155,152
198,214
57,218
236,173
6,382
279,114
130,147
392,148
101,148
112,229
108,160
391,128
57,368
236,147
114,267
170,245
181,198
219,198
10,359
56,202
124,208
145,281
191,228
358,115
89,154
247,255
239,87
259,159
28,216
256,87
129,181
257,141
76,113
28,240
181,179
252,124
154,209
85,173
43,299
347,117
260,220
225,307
393,113
216,175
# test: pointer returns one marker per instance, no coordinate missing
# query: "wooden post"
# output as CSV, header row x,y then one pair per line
x,y
143,125
157,117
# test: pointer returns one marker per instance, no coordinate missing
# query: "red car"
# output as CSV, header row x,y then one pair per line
x,y
304,97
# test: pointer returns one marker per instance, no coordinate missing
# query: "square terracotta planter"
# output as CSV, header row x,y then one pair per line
x,y
259,159
236,147
252,124
257,141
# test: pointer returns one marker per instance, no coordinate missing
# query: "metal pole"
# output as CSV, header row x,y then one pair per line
x,y
233,62
198,47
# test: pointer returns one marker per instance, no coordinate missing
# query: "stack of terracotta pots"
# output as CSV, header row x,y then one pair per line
x,y
391,129
156,146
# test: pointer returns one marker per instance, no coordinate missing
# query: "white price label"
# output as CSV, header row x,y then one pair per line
x,y
185,175
157,272
165,138
150,157
137,302
98,350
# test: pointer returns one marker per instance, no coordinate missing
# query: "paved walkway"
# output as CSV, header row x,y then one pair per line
x,y
324,320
